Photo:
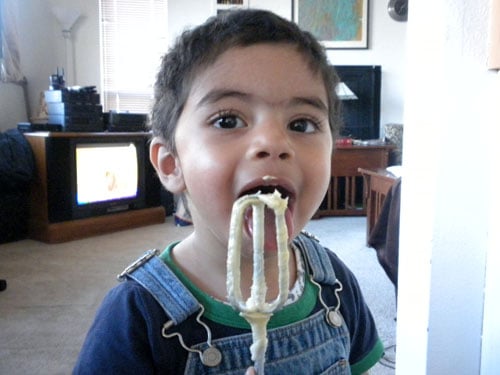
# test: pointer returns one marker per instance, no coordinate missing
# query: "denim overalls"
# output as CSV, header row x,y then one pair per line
x,y
315,345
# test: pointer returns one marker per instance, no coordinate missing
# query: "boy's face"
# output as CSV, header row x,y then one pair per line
x,y
257,111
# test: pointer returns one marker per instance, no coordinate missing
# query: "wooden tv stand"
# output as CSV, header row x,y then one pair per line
x,y
82,228
40,228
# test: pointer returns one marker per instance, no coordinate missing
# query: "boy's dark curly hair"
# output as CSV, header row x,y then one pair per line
x,y
196,49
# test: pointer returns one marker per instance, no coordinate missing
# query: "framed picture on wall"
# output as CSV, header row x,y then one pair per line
x,y
336,23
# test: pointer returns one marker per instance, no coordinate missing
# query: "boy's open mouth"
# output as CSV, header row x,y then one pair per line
x,y
270,241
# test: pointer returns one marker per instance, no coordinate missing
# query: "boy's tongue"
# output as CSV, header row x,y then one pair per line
x,y
270,242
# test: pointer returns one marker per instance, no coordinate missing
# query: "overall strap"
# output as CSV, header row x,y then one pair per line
x,y
159,280
317,259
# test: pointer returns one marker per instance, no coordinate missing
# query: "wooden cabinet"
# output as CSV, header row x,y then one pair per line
x,y
345,193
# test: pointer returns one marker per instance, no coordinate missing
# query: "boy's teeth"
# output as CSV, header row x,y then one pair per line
x,y
267,189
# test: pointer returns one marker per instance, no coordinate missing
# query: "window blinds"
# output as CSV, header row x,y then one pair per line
x,y
133,39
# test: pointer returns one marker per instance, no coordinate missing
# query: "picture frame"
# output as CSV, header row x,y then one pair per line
x,y
337,24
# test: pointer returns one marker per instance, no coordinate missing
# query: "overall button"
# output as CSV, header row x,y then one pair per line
x,y
334,318
211,357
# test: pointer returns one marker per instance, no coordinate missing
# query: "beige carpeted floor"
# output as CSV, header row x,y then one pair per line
x,y
53,290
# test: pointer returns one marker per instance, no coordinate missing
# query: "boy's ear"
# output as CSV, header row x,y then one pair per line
x,y
167,166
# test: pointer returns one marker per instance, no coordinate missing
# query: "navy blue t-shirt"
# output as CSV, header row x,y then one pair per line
x,y
126,334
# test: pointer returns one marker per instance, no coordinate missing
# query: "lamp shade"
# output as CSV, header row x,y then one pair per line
x,y
66,16
344,92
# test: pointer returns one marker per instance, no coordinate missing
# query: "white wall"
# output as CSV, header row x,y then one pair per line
x,y
12,106
184,14
42,48
42,45
36,50
450,157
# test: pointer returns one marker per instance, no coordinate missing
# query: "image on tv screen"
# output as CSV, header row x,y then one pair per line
x,y
106,172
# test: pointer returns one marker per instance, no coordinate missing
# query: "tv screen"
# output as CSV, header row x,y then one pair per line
x,y
90,175
361,117
106,171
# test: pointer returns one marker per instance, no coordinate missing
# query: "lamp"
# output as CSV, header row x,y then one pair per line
x,y
67,17
344,92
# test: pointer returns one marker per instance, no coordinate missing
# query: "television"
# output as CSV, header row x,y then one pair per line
x,y
90,175
361,117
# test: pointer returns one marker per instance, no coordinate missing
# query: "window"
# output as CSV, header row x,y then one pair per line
x,y
133,39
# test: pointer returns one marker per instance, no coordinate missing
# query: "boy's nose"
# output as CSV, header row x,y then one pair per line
x,y
269,142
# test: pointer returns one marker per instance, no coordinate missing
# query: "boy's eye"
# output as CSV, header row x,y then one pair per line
x,y
228,122
303,126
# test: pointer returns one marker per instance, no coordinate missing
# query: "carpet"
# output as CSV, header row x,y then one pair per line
x,y
54,290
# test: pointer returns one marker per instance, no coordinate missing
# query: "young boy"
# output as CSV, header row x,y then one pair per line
x,y
243,103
